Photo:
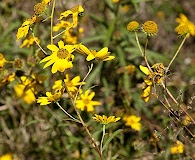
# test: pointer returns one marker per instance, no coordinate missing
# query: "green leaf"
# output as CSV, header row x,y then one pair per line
x,y
110,138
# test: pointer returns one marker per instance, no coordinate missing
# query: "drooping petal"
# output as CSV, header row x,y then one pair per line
x,y
103,53
52,47
145,70
90,57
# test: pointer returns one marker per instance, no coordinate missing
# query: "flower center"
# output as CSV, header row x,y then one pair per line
x,y
86,101
62,53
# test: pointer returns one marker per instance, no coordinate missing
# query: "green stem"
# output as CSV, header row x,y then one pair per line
x,y
51,25
177,52
137,40
103,134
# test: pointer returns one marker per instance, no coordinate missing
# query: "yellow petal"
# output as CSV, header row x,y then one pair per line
x,y
145,70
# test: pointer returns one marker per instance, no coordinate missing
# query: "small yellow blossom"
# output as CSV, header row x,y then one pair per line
x,y
7,156
71,84
29,41
150,28
2,61
132,26
63,24
133,122
75,11
183,30
103,54
61,57
23,30
7,79
40,8
25,90
177,148
115,1
187,120
50,98
47,2
183,20
106,120
85,101
155,76
130,69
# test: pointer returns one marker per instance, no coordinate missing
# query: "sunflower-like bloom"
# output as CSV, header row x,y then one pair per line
x,y
177,148
150,28
75,11
183,30
133,122
71,84
50,98
85,101
183,20
105,120
61,57
25,90
103,54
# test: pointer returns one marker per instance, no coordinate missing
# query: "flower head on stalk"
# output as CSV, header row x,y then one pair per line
x,y
85,101
105,120
103,54
184,21
133,122
61,57
150,28
75,11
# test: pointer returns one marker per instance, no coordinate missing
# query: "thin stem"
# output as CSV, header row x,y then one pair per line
x,y
177,52
76,120
176,102
51,25
139,46
73,101
144,54
38,44
102,140
61,32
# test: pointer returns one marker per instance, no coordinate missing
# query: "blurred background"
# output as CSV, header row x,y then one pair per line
x,y
31,131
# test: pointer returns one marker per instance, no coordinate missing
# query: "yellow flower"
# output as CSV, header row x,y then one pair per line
x,y
7,79
7,156
40,8
132,26
23,30
75,11
50,98
130,69
150,28
29,41
103,54
47,2
71,84
25,90
133,122
85,101
177,148
2,61
57,85
183,20
61,57
183,30
187,120
156,76
106,120
115,1
62,24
